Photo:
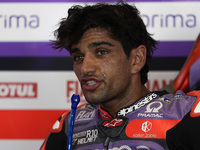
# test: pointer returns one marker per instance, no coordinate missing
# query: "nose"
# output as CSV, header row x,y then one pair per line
x,y
88,66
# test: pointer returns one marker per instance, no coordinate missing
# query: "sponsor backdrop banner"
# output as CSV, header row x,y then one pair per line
x,y
37,82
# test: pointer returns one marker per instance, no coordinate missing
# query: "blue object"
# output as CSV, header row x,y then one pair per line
x,y
75,99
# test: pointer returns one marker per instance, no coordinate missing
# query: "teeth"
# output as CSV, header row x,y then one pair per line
x,y
92,82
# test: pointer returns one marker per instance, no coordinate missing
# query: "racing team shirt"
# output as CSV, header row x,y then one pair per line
x,y
141,126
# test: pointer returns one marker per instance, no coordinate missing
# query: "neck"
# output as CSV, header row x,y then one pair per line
x,y
115,105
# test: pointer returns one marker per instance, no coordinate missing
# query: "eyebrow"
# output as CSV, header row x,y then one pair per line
x,y
92,45
74,50
99,43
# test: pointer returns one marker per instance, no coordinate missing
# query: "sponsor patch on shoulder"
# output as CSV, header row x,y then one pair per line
x,y
165,99
57,127
88,106
195,112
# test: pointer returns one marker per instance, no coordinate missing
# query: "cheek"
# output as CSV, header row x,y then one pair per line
x,y
114,70
76,71
107,69
122,72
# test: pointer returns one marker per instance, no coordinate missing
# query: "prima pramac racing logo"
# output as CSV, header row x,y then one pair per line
x,y
152,110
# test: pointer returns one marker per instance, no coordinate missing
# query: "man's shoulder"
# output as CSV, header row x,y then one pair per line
x,y
83,111
195,112
87,107
180,102
58,125
179,95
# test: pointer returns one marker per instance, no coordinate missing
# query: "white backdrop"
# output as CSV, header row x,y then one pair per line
x,y
31,101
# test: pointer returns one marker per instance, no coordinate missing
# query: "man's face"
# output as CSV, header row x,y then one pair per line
x,y
101,67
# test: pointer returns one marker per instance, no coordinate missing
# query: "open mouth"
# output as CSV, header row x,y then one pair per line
x,y
91,82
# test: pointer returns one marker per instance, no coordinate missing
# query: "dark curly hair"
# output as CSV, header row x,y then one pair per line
x,y
121,20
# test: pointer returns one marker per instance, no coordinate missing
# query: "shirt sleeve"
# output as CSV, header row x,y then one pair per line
x,y
57,139
185,135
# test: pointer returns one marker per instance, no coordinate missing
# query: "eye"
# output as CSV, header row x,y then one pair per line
x,y
101,52
77,58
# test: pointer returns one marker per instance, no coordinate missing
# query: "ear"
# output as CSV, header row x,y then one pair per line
x,y
138,58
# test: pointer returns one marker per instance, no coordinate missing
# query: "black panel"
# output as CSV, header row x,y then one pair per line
x,y
167,63
65,63
36,63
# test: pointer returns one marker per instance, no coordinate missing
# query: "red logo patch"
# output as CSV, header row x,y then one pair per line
x,y
113,123
149,128
104,115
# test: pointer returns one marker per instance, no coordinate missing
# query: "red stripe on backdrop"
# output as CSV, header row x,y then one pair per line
x,y
27,124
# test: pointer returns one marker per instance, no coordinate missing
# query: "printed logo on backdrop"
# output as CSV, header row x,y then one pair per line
x,y
18,90
170,20
73,87
21,21
156,20
154,84
152,111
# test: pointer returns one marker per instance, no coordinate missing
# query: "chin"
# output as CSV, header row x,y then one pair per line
x,y
93,100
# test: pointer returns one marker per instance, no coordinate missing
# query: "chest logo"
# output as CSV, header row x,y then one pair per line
x,y
154,107
113,123
146,126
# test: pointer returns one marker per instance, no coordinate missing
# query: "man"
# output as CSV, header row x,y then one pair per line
x,y
111,50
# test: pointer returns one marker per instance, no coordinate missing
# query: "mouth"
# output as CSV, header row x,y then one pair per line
x,y
90,84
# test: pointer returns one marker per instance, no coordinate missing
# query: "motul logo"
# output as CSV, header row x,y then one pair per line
x,y
18,90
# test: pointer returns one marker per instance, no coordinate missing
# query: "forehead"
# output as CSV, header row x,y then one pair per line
x,y
92,35
96,31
